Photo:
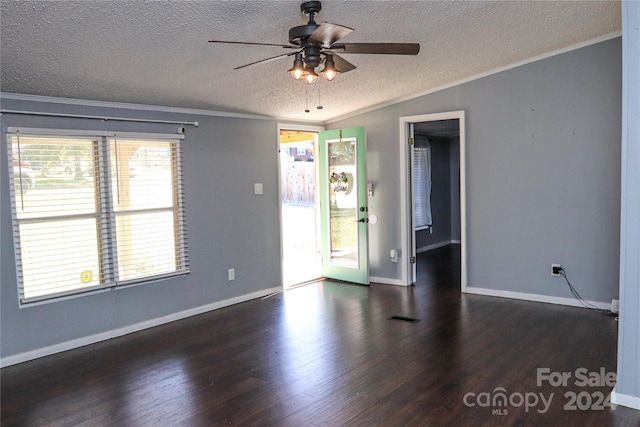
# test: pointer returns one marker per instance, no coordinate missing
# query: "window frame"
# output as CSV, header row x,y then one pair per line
x,y
106,233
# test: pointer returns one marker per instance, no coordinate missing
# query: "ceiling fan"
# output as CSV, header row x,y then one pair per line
x,y
315,44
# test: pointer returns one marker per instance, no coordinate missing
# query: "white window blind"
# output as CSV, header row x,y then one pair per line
x,y
422,185
147,200
95,212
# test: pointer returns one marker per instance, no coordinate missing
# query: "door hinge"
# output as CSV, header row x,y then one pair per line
x,y
411,141
413,260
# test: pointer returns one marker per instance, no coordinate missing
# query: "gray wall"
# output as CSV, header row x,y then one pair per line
x,y
628,385
542,173
228,227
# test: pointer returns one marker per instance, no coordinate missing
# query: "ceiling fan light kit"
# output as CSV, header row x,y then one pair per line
x,y
329,72
310,75
315,44
297,72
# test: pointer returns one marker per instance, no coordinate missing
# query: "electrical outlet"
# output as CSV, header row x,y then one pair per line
x,y
232,274
555,269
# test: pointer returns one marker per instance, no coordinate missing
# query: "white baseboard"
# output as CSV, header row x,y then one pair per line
x,y
114,333
534,297
632,402
386,281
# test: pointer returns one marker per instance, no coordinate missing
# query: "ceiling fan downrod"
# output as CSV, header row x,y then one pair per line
x,y
300,34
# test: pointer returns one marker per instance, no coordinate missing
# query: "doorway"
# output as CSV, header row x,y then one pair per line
x,y
299,213
323,205
433,188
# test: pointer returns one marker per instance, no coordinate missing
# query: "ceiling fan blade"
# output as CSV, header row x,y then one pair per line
x,y
262,61
342,64
378,48
327,34
286,46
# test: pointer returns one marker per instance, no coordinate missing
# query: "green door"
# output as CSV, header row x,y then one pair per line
x,y
343,205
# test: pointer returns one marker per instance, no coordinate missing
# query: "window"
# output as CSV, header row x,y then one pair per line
x,y
422,185
94,212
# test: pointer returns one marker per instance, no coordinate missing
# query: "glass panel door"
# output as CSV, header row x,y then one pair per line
x,y
343,193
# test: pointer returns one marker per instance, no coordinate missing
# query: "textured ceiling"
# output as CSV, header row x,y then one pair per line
x,y
156,52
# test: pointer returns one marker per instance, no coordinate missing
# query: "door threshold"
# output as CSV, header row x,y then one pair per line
x,y
308,282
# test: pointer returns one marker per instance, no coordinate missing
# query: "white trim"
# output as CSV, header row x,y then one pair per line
x,y
405,187
386,281
566,49
114,333
435,246
628,341
119,286
632,402
298,126
535,297
25,305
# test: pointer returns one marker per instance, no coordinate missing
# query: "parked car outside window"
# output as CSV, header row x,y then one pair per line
x,y
25,179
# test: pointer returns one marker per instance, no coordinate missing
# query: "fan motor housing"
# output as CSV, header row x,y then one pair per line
x,y
298,35
312,55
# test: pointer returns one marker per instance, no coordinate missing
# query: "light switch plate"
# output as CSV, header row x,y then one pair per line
x,y
257,188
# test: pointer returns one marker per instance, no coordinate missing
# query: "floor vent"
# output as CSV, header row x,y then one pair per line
x,y
404,319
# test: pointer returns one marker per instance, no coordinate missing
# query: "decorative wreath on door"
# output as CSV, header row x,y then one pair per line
x,y
341,182
335,178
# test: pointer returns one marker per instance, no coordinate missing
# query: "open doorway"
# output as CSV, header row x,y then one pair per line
x,y
301,260
433,190
436,197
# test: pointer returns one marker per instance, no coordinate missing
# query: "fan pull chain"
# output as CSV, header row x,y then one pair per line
x,y
319,107
306,110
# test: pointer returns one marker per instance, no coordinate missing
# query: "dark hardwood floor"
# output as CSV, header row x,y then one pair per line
x,y
327,354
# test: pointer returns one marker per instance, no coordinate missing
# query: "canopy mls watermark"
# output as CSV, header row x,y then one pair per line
x,y
500,401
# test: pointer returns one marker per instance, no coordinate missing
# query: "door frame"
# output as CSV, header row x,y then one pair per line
x,y
304,128
406,199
